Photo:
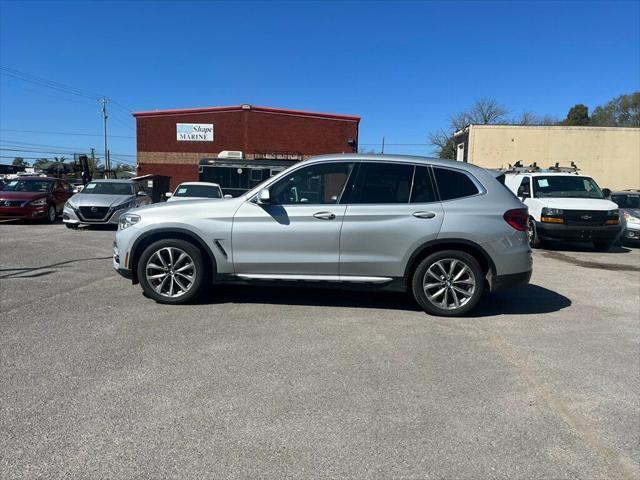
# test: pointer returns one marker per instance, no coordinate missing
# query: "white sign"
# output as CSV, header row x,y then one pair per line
x,y
194,132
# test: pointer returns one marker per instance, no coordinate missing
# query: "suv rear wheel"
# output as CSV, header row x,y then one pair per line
x,y
448,283
172,271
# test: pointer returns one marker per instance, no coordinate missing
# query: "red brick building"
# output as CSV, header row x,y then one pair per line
x,y
177,143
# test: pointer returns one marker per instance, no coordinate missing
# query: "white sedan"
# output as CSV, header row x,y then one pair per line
x,y
195,191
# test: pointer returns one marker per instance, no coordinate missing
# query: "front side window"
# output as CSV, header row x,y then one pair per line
x,y
28,186
201,191
454,184
108,188
383,183
566,186
318,184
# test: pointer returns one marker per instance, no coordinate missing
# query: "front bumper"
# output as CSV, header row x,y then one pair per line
x,y
27,212
550,231
631,233
73,216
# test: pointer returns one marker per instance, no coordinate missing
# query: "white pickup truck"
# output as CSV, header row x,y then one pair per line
x,y
565,205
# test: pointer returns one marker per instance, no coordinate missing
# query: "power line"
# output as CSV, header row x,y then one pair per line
x,y
68,152
65,133
27,77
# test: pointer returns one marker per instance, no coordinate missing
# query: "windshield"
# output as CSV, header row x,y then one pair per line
x,y
28,186
631,200
108,188
203,191
566,186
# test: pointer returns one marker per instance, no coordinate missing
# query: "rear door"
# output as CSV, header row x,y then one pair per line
x,y
391,210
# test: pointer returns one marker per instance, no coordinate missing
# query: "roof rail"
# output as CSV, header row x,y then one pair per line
x,y
557,168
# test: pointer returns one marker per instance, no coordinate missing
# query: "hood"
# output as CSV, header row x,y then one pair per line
x,y
183,199
578,203
192,209
22,195
99,200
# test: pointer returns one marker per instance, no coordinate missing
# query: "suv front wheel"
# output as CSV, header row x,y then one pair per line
x,y
448,283
172,271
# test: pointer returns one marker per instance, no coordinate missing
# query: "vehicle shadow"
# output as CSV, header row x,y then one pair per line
x,y
581,247
527,300
31,272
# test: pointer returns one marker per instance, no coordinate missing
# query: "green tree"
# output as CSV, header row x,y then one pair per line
x,y
40,163
19,162
484,111
622,111
578,115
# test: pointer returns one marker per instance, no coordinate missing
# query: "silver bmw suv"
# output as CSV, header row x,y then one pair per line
x,y
444,231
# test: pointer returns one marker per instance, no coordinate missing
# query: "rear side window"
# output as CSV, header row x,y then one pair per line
x,y
383,183
453,184
422,191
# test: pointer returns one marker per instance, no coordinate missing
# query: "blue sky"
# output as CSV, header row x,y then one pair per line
x,y
404,67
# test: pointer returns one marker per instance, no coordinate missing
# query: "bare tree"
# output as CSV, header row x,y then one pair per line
x,y
443,143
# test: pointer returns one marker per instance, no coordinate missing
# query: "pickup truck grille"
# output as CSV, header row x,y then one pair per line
x,y
586,218
94,213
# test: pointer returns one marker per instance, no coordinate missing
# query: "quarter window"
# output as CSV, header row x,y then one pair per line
x,y
453,184
422,191
316,184
383,183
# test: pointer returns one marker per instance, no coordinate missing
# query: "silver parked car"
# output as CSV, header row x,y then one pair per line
x,y
443,230
102,202
194,191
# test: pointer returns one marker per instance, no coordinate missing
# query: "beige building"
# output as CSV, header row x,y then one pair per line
x,y
611,155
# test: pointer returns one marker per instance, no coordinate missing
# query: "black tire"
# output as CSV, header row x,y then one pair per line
x,y
603,245
199,273
445,258
72,226
51,214
532,233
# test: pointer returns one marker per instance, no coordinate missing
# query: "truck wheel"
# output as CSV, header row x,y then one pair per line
x,y
448,283
532,233
172,271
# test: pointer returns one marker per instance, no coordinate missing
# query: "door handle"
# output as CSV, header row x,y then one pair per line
x,y
324,215
424,214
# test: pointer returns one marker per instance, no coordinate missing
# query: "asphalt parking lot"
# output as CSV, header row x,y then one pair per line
x,y
100,382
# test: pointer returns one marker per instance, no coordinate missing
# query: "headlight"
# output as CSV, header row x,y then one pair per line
x,y
39,202
551,212
130,204
631,219
127,220
612,213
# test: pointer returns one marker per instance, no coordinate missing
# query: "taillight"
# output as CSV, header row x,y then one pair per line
x,y
517,218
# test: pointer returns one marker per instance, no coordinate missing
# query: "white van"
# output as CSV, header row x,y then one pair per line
x,y
564,205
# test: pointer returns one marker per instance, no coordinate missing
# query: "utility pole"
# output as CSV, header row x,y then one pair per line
x,y
380,152
107,165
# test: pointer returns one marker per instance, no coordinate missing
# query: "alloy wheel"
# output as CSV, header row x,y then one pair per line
x,y
170,271
449,283
51,213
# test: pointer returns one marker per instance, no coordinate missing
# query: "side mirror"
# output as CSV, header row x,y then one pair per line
x,y
168,194
606,192
142,194
524,192
227,196
264,197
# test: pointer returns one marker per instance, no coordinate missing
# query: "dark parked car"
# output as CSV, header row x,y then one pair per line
x,y
34,198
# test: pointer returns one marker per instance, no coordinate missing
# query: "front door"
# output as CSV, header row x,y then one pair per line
x,y
298,233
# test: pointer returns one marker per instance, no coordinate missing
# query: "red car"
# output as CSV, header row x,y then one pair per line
x,y
34,198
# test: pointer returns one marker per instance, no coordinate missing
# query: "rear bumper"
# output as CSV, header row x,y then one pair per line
x,y
500,282
550,231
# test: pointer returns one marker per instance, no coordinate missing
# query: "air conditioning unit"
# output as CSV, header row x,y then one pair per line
x,y
230,154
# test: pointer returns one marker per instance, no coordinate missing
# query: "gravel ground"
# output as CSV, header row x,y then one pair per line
x,y
101,382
